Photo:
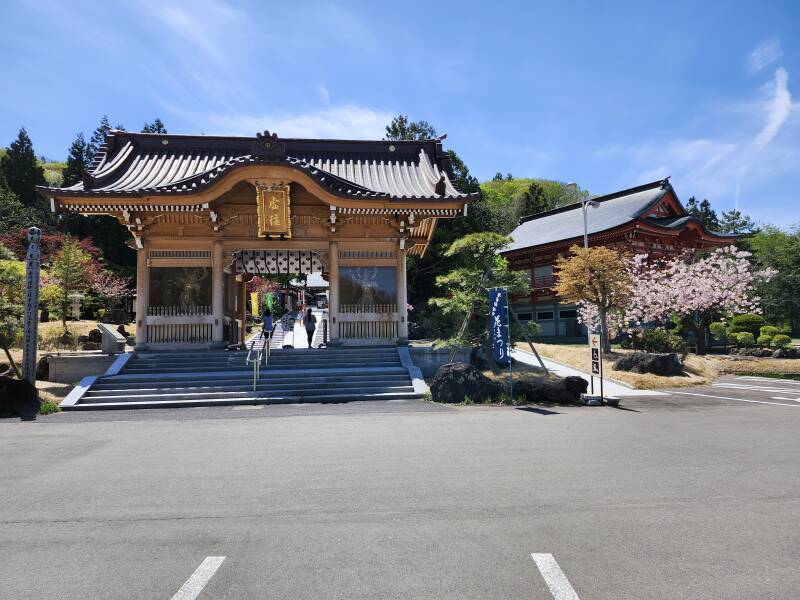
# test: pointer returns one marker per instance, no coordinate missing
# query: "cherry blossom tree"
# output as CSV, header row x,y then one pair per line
x,y
111,286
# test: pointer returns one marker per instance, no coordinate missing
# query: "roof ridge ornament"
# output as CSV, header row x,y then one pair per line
x,y
268,144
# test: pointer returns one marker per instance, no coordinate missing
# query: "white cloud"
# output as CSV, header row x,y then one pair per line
x,y
757,142
763,55
346,121
323,92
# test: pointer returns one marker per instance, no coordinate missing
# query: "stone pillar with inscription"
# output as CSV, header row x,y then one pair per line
x,y
31,323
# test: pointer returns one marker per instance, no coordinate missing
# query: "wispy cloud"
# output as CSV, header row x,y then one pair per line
x,y
763,55
347,121
760,139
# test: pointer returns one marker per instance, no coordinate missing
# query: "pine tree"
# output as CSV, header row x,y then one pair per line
x,y
98,137
533,201
733,221
498,176
22,171
401,129
704,212
77,161
156,126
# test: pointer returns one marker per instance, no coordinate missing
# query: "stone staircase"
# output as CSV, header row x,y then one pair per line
x,y
210,377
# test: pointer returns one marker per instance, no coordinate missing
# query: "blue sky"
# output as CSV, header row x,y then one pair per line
x,y
606,94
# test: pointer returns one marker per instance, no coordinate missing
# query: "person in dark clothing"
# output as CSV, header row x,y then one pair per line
x,y
266,319
310,322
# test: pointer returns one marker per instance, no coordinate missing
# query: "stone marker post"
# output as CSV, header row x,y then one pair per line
x,y
32,263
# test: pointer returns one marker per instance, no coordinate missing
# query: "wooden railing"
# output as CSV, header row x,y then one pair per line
x,y
363,329
367,308
178,311
179,324
368,321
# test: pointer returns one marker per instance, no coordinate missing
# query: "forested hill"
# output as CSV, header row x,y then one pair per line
x,y
53,170
507,198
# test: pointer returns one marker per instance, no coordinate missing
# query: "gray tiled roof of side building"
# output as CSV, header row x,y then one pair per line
x,y
567,222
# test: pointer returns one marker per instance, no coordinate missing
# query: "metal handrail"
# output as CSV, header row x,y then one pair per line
x,y
259,354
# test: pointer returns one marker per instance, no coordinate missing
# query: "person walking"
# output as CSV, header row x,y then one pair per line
x,y
310,322
266,320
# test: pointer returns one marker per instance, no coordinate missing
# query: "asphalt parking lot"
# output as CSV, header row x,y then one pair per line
x,y
690,495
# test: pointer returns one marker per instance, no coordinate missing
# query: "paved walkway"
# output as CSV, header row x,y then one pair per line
x,y
609,387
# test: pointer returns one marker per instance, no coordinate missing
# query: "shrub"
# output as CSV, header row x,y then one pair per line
x,y
781,341
719,331
764,340
659,340
746,323
745,339
48,406
770,330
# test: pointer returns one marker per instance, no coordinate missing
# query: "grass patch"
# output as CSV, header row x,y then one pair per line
x,y
48,407
577,357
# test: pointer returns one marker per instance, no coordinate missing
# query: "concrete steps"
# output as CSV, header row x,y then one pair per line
x,y
209,377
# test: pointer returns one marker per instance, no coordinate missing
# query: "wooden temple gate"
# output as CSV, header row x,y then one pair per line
x,y
207,213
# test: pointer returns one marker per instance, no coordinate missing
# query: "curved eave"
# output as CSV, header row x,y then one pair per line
x,y
207,180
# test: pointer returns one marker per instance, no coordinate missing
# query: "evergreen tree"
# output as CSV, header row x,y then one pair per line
x,y
733,221
22,170
156,126
498,176
99,137
77,161
509,177
704,212
401,129
533,201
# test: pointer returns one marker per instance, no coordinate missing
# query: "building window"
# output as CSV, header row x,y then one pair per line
x,y
366,286
180,286
570,313
524,316
544,315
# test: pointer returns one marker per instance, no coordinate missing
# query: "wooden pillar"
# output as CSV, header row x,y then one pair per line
x,y
243,311
402,297
217,312
333,292
142,295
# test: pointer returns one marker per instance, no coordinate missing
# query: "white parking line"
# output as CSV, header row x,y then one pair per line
x,y
195,584
757,388
736,399
554,577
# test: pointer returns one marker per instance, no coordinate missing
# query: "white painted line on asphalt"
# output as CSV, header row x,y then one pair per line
x,y
398,401
757,388
195,584
554,577
250,407
771,379
736,399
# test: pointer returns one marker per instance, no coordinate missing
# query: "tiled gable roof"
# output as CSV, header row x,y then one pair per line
x,y
135,164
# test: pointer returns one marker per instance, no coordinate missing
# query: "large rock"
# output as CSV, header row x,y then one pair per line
x,y
18,398
43,369
645,362
95,336
456,381
549,391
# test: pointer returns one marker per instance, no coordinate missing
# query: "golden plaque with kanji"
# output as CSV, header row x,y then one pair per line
x,y
274,212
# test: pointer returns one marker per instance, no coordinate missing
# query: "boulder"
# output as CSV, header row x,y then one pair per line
x,y
456,381
43,369
562,391
645,362
18,398
576,385
83,338
122,331
95,336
